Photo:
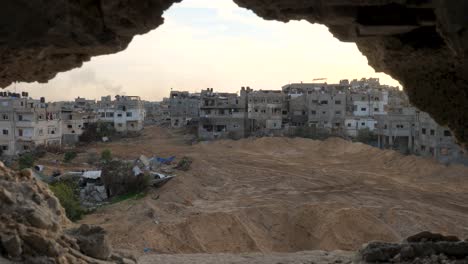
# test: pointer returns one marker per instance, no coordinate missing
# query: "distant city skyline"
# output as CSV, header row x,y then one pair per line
x,y
205,43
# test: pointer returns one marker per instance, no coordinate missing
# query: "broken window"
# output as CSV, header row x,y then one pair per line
x,y
432,132
423,131
220,128
447,133
5,117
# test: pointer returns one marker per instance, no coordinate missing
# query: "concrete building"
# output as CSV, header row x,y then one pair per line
x,y
395,130
223,115
74,123
157,112
184,108
126,113
433,140
26,123
353,124
266,110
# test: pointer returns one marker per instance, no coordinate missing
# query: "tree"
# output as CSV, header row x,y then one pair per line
x,y
69,156
26,161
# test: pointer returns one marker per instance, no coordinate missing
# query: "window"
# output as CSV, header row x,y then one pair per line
x,y
103,114
315,101
376,109
324,112
432,132
363,124
5,131
119,115
313,112
119,125
338,112
129,114
70,126
349,124
20,132
324,102
423,148
423,131
41,117
5,117
400,126
4,147
20,117
337,124
447,133
41,132
363,109
337,102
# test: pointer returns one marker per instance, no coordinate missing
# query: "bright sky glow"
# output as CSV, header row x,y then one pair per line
x,y
206,43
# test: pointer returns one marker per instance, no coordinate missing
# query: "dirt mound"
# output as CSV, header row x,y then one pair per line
x,y
287,195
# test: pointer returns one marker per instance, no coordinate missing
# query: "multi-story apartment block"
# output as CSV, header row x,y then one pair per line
x,y
184,108
395,130
223,115
26,123
126,113
74,123
266,110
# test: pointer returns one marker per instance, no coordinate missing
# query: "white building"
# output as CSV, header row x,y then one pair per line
x,y
370,103
126,113
26,123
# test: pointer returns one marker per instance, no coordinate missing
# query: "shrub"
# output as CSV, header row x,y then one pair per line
x,y
184,164
119,179
69,156
96,131
106,155
92,158
366,136
26,161
65,191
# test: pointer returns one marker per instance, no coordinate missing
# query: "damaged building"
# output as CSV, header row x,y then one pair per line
x,y
26,123
184,108
223,115
125,113
266,111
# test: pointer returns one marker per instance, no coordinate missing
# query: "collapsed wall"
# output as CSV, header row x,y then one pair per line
x,y
32,225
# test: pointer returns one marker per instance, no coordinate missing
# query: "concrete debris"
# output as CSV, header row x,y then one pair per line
x,y
92,195
424,247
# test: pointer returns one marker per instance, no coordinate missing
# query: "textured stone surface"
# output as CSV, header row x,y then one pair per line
x,y
421,43
32,222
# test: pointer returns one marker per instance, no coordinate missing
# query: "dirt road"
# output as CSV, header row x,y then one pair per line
x,y
283,195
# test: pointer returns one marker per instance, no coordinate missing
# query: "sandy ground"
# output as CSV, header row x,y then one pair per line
x,y
308,257
283,195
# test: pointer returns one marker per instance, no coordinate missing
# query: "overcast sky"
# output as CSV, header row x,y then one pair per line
x,y
206,43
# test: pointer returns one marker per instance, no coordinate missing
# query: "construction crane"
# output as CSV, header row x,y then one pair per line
x,y
320,79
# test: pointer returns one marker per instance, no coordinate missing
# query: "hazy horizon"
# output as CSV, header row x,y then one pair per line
x,y
212,44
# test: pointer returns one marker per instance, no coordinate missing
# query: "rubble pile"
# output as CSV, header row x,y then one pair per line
x,y
32,225
423,248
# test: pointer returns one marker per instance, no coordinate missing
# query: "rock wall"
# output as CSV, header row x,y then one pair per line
x,y
32,225
421,43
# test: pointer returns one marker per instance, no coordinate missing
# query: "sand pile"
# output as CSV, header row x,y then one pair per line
x,y
287,195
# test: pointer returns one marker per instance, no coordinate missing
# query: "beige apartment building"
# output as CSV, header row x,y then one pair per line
x,y
26,123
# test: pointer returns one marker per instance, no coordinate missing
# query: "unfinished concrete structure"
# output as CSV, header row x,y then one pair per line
x,y
184,108
126,113
433,140
266,110
26,123
395,130
223,115
74,122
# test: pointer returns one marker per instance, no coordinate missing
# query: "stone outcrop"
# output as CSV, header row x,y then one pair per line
x,y
421,43
424,247
32,222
